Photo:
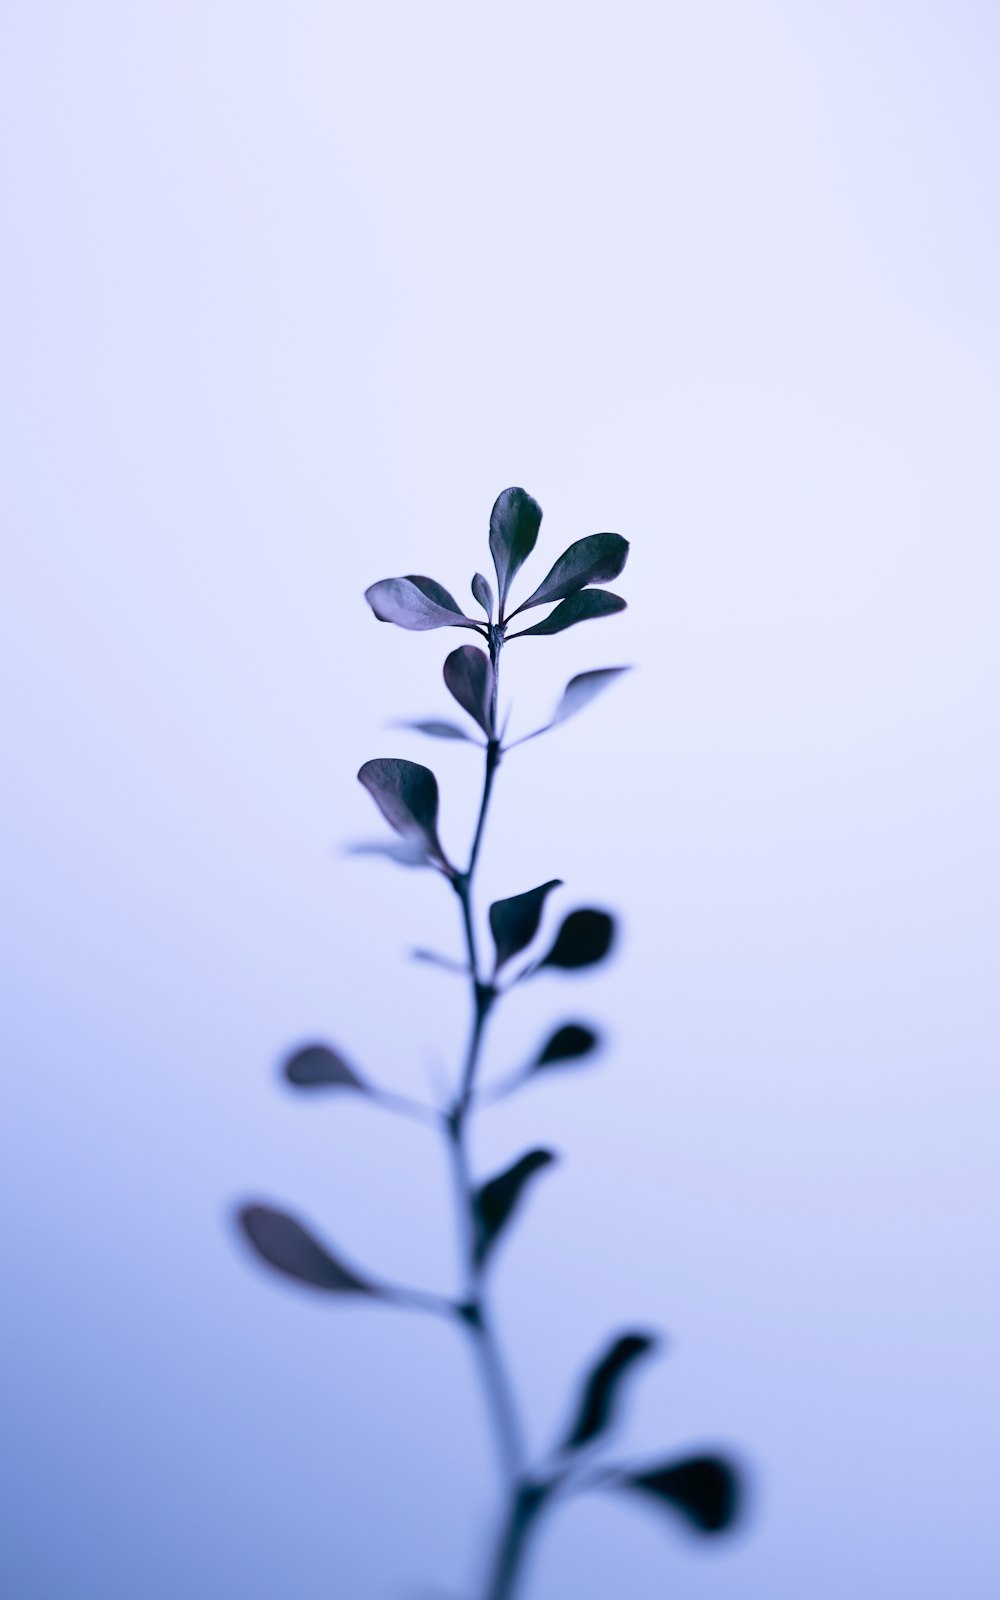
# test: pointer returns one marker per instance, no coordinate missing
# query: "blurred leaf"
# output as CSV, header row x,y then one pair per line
x,y
286,1245
483,594
568,1043
496,1201
317,1066
432,959
407,796
417,603
514,523
578,608
407,853
468,675
601,1392
514,922
704,1489
584,939
596,559
440,730
579,692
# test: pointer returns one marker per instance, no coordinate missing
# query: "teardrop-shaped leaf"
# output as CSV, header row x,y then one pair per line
x,y
704,1489
577,608
436,729
601,1391
407,796
568,1043
495,1203
318,1067
579,692
482,593
514,922
596,559
584,939
514,523
282,1241
416,603
468,675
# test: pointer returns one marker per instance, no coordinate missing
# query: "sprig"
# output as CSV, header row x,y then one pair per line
x,y
703,1489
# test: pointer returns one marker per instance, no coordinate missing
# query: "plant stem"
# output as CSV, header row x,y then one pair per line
x,y
476,1316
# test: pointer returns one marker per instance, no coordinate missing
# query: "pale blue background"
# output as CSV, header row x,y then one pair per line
x,y
290,292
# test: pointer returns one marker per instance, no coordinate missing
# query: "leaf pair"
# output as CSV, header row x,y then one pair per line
x,y
705,1490
471,680
584,938
514,524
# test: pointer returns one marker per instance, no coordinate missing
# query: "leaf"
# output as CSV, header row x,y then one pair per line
x,y
496,1201
579,692
317,1066
568,1043
416,603
601,1392
578,608
439,730
514,523
514,922
584,939
704,1489
408,853
407,796
286,1245
596,559
483,594
469,677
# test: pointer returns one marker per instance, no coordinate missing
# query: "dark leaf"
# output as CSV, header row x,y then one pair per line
x,y
603,1386
407,796
495,1202
578,608
417,603
317,1066
579,692
468,675
704,1489
514,922
482,593
584,938
596,559
285,1244
568,1043
439,730
514,523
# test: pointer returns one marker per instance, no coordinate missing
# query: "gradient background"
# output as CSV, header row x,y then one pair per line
x,y
290,292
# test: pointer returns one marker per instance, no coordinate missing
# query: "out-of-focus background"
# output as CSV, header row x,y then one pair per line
x,y
290,293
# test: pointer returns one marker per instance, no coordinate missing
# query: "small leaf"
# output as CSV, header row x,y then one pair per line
x,y
514,523
596,559
584,939
439,730
468,675
579,692
446,963
483,594
578,608
514,922
416,603
568,1043
496,1201
286,1245
407,853
317,1066
704,1489
602,1389
407,796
